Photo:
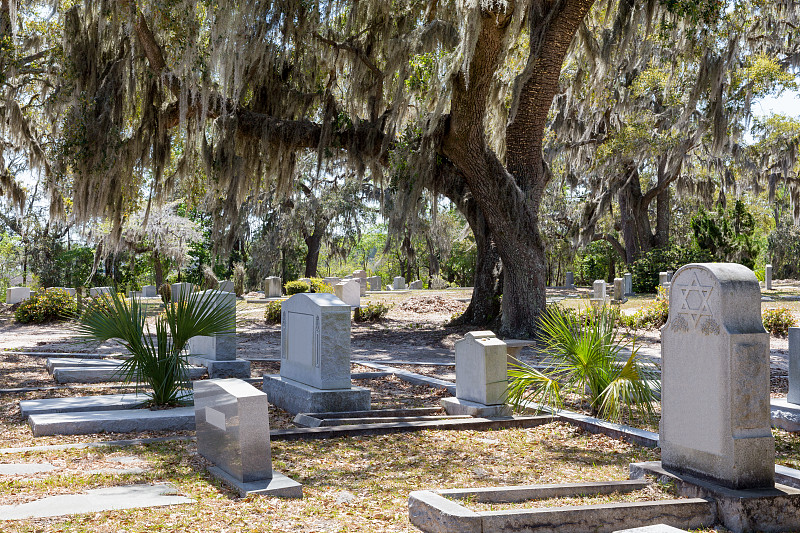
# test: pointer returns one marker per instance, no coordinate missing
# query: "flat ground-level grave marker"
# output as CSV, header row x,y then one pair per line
x,y
95,501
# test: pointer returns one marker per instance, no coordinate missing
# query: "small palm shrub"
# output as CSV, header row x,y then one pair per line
x,y
156,360
273,312
296,287
584,351
46,305
372,312
778,321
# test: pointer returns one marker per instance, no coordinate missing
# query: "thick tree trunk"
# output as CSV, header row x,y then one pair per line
x,y
314,244
634,219
158,269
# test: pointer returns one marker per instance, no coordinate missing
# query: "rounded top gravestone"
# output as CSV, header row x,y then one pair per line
x,y
715,419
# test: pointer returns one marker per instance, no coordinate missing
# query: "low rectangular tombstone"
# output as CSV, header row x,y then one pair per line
x,y
361,277
178,288
315,340
272,287
618,289
232,428
768,277
349,292
220,347
599,287
135,294
225,286
663,278
332,281
794,366
715,404
15,295
415,285
149,291
374,283
570,281
69,290
97,291
399,283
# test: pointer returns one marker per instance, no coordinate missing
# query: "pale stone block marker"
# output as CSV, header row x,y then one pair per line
x,y
374,283
399,283
149,291
218,353
315,358
715,419
332,281
272,287
361,277
481,376
628,284
349,292
15,295
178,288
232,426
599,288
768,277
225,286
619,293
97,291
570,281
663,278
415,285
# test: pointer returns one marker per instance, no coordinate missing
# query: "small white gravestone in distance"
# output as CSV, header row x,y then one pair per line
x,y
361,277
149,291
715,386
349,292
232,427
225,286
315,358
663,278
415,285
218,353
619,293
599,289
768,277
481,376
272,287
399,283
374,283
15,295
178,288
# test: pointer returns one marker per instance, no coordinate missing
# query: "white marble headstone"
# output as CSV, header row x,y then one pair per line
x,y
272,287
349,292
715,392
481,368
220,347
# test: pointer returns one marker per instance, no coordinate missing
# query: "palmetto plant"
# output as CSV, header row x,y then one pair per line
x,y
156,360
585,358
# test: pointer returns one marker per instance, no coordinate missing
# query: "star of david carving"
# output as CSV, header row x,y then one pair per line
x,y
693,299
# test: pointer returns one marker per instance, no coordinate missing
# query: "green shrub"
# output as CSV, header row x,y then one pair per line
x,y
760,275
652,315
273,312
646,268
46,305
778,321
319,285
296,287
372,312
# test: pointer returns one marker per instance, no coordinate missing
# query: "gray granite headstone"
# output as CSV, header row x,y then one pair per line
x,y
361,276
794,366
225,286
374,283
221,347
715,420
399,283
178,288
618,291
768,277
628,284
315,340
97,291
415,285
232,427
570,282
272,287
149,291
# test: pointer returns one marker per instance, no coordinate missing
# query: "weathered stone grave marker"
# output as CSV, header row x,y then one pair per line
x,y
332,281
149,291
97,291
415,285
570,281
715,378
225,286
768,277
663,278
399,283
178,288
374,283
272,287
628,277
315,358
349,292
232,425
15,295
218,353
481,376
619,293
361,277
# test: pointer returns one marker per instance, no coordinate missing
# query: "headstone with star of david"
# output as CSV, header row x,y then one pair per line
x,y
715,411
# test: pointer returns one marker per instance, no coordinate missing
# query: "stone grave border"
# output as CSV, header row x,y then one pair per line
x,y
437,511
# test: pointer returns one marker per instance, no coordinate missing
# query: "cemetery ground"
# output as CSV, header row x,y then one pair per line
x,y
350,484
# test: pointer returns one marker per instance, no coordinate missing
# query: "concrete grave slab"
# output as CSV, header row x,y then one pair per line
x,y
103,374
72,404
14,469
95,501
149,291
15,295
296,397
793,396
220,347
657,528
785,415
374,283
123,421
415,285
